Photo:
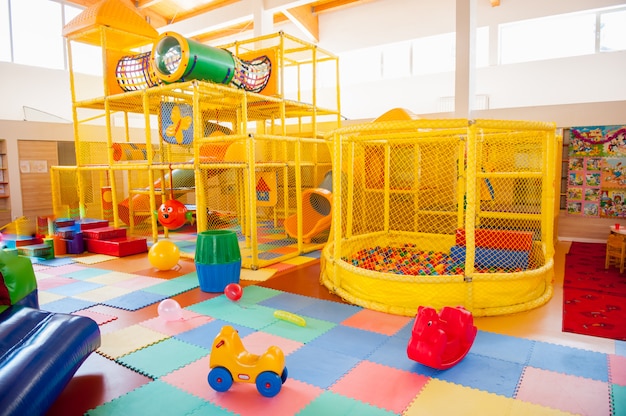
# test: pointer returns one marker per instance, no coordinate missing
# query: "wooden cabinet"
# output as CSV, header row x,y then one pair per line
x,y
5,191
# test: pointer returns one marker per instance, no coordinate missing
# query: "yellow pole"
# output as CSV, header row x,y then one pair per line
x,y
337,218
470,213
549,185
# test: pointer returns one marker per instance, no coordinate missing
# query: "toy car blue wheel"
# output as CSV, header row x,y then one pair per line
x,y
220,379
268,384
283,376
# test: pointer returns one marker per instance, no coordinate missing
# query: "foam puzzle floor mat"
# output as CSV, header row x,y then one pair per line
x,y
346,360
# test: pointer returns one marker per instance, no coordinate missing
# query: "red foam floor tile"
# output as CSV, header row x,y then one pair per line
x,y
97,381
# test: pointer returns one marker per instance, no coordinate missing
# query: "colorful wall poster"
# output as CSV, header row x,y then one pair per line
x,y
602,141
596,178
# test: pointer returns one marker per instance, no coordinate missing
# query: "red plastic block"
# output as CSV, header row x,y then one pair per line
x,y
499,239
105,233
89,224
64,222
119,247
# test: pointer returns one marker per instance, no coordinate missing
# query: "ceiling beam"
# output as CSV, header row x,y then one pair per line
x,y
275,6
223,17
142,4
305,20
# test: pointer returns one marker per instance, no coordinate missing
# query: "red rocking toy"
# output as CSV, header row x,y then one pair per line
x,y
441,340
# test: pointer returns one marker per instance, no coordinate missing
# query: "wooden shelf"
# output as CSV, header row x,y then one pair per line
x,y
5,203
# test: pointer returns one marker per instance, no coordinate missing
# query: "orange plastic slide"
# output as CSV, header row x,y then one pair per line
x,y
317,206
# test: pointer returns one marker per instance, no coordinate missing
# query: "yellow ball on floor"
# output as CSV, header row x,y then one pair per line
x,y
164,255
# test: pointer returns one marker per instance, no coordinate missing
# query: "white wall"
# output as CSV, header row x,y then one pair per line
x,y
46,90
584,90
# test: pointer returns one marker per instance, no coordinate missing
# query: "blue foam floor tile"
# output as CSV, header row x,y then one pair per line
x,y
502,347
55,262
314,254
354,342
67,305
568,360
484,373
329,311
405,332
268,255
620,348
134,300
318,366
203,335
393,354
74,288
288,302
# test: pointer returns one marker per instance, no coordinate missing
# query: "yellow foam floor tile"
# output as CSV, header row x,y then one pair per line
x,y
443,398
260,275
122,342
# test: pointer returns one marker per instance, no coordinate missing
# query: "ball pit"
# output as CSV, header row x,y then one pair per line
x,y
411,261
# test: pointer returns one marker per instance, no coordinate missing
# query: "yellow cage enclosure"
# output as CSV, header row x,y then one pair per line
x,y
443,213
240,151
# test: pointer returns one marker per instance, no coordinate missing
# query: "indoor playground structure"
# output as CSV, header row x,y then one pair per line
x,y
219,130
443,213
408,211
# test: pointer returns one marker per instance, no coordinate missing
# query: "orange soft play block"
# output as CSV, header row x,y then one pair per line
x,y
499,239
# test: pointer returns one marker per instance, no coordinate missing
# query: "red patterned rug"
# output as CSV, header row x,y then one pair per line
x,y
594,299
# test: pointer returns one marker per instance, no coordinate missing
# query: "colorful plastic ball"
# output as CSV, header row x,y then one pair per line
x,y
164,255
233,291
170,310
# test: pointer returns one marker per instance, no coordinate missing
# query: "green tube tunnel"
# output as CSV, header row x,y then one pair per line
x,y
180,59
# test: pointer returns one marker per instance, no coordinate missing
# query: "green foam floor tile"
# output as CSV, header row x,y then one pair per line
x,y
163,357
313,329
251,316
329,403
155,398
175,286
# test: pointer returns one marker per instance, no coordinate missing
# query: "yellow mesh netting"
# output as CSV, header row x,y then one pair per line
x,y
443,213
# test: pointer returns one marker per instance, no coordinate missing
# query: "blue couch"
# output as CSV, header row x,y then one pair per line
x,y
39,351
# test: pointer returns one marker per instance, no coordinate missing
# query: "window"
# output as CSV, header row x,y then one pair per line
x,y
37,39
433,54
397,60
613,31
548,38
360,66
87,59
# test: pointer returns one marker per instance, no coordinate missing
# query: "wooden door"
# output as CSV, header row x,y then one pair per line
x,y
35,160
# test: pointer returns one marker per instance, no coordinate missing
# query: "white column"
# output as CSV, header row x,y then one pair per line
x,y
465,58
263,20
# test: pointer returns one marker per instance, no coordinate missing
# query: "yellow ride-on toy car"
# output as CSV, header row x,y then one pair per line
x,y
229,362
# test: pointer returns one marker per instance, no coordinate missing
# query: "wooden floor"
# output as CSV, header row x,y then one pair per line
x,y
100,380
